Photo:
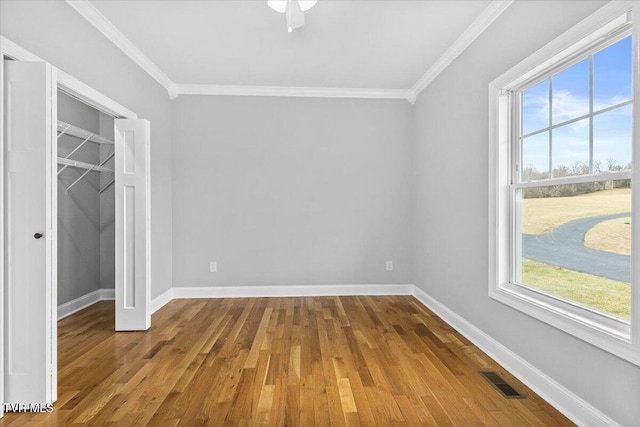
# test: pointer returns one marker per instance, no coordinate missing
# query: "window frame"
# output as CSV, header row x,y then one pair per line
x,y
614,335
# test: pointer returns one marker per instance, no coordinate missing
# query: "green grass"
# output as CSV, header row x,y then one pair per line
x,y
544,214
611,236
605,295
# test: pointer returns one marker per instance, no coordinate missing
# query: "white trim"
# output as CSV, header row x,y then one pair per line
x,y
88,95
635,191
576,179
14,51
477,27
290,291
161,300
317,92
80,303
102,24
69,84
567,402
2,239
52,240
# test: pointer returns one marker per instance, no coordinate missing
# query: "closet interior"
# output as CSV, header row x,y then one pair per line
x,y
86,211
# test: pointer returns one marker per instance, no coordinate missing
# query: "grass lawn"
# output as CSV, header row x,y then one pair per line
x,y
544,214
611,236
608,296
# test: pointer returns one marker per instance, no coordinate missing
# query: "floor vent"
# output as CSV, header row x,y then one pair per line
x,y
501,385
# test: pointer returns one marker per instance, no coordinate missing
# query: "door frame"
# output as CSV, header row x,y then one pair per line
x,y
77,89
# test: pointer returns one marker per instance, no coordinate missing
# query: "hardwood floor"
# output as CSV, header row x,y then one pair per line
x,y
316,361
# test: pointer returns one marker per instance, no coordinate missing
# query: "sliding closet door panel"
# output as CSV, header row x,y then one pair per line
x,y
133,304
28,304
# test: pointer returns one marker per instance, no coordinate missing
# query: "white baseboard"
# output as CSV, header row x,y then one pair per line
x,y
571,405
73,306
289,291
161,300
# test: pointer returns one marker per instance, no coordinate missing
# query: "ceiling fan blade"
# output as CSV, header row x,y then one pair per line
x,y
295,15
278,5
306,4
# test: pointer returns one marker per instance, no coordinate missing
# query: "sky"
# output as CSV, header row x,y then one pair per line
x,y
570,99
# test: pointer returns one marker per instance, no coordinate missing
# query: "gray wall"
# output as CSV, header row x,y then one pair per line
x,y
450,233
291,191
79,208
55,32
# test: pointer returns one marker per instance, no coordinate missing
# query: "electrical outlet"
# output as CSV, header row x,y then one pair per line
x,y
389,265
213,267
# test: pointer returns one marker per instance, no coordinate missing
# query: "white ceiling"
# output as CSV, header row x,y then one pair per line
x,y
344,44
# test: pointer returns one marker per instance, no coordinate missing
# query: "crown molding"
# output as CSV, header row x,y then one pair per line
x,y
316,92
102,24
477,27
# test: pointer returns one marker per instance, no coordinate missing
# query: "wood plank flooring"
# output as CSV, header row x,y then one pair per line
x,y
314,361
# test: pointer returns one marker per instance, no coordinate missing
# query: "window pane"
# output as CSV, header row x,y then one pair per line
x,y
570,149
535,157
612,140
612,74
576,244
570,92
535,108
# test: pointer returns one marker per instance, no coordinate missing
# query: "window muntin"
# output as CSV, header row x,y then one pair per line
x,y
568,135
564,106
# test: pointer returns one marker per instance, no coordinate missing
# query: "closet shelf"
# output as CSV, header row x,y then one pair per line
x,y
82,165
67,129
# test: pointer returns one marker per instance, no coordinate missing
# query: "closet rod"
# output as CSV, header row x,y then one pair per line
x,y
67,129
83,165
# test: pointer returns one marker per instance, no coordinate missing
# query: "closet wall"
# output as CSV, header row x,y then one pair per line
x,y
85,217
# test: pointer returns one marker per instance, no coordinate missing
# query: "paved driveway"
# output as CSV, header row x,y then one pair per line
x,y
564,247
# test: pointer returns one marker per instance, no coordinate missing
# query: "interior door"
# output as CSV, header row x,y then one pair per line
x,y
30,271
133,296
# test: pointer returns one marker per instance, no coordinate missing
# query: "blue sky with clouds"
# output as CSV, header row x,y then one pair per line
x,y
570,95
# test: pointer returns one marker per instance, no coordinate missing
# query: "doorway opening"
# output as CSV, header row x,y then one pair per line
x,y
30,189
86,205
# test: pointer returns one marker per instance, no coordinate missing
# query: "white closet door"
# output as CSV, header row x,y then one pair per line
x,y
133,304
29,303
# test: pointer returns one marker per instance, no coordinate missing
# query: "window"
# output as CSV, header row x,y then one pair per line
x,y
562,184
571,181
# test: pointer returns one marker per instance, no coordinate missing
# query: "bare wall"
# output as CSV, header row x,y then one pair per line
x,y
79,208
290,191
59,35
451,209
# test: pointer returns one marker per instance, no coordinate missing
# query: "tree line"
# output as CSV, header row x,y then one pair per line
x,y
530,173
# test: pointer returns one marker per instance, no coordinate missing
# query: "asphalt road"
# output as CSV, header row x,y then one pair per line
x,y
564,247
